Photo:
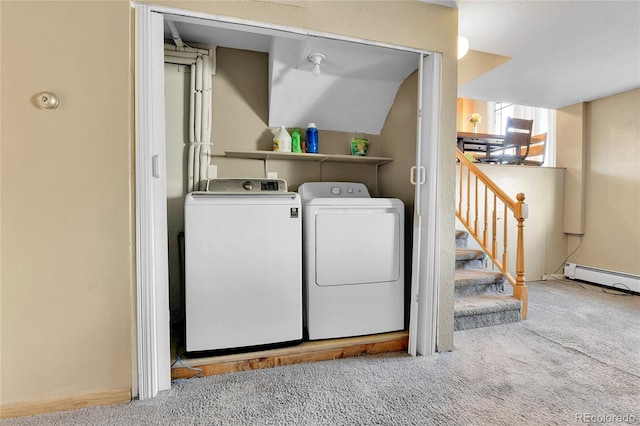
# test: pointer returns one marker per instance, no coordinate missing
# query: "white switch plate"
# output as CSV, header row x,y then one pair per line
x,y
272,175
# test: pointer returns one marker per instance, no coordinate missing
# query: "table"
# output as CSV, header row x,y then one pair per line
x,y
479,142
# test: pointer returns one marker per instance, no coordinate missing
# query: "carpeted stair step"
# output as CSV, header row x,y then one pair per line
x,y
470,282
485,310
467,258
461,238
478,297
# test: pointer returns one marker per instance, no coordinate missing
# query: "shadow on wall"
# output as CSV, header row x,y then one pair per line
x,y
250,81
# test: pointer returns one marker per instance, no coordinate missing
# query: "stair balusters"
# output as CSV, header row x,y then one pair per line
x,y
494,239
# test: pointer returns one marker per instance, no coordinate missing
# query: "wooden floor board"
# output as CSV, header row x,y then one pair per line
x,y
320,350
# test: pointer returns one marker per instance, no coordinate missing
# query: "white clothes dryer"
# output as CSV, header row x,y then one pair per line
x,y
353,260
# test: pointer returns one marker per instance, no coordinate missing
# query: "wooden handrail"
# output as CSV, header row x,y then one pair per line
x,y
487,212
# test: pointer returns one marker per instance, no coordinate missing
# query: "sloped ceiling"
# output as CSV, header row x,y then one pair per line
x,y
476,63
354,93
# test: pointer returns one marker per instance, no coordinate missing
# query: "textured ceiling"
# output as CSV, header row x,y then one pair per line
x,y
563,52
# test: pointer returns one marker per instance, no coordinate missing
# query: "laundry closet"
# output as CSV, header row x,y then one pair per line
x,y
260,81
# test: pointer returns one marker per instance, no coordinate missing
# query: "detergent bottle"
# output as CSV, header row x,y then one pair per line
x,y
312,138
282,140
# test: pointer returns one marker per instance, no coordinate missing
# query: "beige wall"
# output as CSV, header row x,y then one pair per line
x,y
67,260
612,173
544,241
67,236
571,153
466,107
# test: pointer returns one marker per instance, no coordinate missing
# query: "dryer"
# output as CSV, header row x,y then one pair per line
x,y
353,260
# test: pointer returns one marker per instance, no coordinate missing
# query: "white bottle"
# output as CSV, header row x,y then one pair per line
x,y
282,140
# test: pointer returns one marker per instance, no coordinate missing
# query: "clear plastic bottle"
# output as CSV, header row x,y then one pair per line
x,y
312,138
296,146
282,140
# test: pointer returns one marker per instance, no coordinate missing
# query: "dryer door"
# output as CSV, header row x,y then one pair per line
x,y
357,247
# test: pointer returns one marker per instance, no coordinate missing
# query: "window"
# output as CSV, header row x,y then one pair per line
x,y
543,122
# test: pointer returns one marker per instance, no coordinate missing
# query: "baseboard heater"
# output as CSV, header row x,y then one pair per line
x,y
605,277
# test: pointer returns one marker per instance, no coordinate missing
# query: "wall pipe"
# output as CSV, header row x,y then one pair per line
x,y
175,34
191,131
200,111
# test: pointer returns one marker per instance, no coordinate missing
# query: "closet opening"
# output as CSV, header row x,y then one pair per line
x,y
243,60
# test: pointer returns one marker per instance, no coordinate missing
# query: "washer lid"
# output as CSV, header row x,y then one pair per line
x,y
311,190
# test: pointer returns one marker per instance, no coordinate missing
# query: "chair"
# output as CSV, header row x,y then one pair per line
x,y
517,139
537,150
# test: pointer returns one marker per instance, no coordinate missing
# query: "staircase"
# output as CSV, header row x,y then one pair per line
x,y
480,297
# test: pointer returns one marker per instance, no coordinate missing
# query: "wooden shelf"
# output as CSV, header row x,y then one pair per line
x,y
294,156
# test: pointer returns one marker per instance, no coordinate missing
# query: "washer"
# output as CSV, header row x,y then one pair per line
x,y
353,260
243,265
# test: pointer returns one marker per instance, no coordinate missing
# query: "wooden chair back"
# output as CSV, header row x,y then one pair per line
x,y
518,135
537,150
517,139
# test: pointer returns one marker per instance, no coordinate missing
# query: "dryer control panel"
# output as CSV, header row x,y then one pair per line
x,y
311,190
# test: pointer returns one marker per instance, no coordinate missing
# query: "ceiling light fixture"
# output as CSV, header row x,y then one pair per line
x,y
315,59
463,46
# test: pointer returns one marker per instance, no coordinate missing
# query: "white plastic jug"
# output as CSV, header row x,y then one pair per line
x,y
282,140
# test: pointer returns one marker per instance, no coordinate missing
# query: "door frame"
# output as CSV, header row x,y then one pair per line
x,y
152,286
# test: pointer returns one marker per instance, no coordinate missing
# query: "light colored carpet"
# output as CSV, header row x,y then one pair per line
x,y
575,360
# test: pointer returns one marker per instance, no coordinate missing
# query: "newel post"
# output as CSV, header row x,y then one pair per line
x,y
520,290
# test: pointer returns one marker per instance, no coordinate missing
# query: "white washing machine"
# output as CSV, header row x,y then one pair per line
x,y
353,260
243,265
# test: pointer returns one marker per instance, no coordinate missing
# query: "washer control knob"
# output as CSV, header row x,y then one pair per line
x,y
335,190
248,185
350,190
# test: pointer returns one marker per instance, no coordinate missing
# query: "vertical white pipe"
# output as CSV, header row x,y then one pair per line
x,y
200,123
198,117
204,166
192,103
198,133
206,119
196,166
199,73
198,105
206,107
191,153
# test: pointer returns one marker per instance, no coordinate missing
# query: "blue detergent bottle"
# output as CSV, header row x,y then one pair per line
x,y
312,138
